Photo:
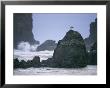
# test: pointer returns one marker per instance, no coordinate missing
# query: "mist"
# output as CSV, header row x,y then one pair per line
x,y
25,46
25,51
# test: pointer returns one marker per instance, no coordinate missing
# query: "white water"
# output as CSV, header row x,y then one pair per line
x,y
24,53
28,55
89,70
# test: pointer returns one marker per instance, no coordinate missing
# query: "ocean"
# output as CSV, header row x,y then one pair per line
x,y
89,70
27,55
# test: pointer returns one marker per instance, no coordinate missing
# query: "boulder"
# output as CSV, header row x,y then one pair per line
x,y
36,61
16,63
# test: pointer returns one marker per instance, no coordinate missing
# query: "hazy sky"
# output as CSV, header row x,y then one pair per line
x,y
54,26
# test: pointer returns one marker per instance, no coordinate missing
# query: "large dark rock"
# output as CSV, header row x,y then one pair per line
x,y
23,29
47,45
92,55
70,51
93,35
30,63
36,61
16,63
20,64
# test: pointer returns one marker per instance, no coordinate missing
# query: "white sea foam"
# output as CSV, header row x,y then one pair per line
x,y
24,53
89,70
28,55
26,46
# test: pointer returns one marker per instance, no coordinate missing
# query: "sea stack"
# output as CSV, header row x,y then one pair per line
x,y
93,35
70,51
23,29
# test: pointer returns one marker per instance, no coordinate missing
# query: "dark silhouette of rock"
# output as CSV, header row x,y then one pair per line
x,y
23,29
70,51
92,55
93,35
30,63
36,61
44,63
47,45
47,63
23,64
16,63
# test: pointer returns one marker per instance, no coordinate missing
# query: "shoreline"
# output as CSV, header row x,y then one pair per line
x,y
89,70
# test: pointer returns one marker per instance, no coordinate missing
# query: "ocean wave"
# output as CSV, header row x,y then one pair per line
x,y
28,55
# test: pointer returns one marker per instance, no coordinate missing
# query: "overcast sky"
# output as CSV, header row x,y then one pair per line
x,y
48,26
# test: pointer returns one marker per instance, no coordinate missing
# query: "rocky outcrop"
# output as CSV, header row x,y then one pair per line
x,y
70,52
36,61
93,35
47,45
23,29
30,63
92,55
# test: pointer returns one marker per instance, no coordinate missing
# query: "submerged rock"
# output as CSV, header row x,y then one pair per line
x,y
70,51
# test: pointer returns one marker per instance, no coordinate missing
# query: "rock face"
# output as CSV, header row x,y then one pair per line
x,y
23,29
70,51
93,35
92,55
16,63
30,63
47,45
36,61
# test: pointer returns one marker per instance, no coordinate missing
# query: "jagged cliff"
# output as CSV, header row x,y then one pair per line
x,y
23,29
93,35
91,44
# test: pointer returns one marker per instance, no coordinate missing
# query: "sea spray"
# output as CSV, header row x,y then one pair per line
x,y
25,46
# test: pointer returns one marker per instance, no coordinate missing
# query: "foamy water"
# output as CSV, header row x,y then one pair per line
x,y
28,55
89,70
